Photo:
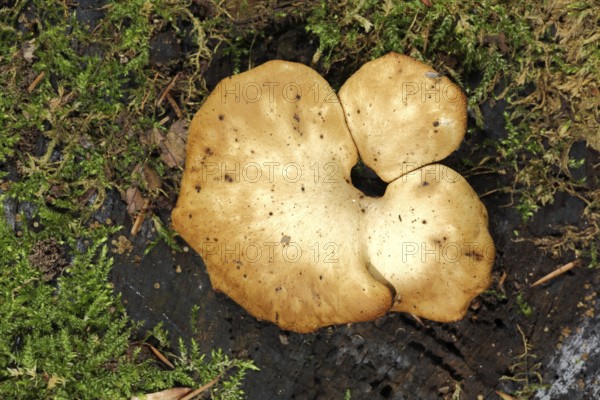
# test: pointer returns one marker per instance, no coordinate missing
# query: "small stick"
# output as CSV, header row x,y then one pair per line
x,y
175,106
201,389
502,279
148,93
160,356
167,90
140,218
36,82
490,192
504,396
416,318
556,273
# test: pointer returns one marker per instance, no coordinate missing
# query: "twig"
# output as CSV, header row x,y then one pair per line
x,y
160,356
416,318
167,90
504,396
175,106
502,279
36,82
556,272
140,218
491,192
156,75
167,394
201,389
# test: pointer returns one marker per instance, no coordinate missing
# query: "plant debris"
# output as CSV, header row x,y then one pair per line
x,y
49,257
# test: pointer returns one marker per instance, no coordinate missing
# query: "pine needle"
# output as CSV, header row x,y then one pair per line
x,y
160,356
556,272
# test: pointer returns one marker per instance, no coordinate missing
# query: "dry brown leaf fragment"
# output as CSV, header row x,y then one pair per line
x,y
169,394
180,129
28,49
134,200
173,146
151,137
151,177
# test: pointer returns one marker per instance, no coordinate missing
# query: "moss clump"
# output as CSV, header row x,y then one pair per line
x,y
540,58
69,337
78,91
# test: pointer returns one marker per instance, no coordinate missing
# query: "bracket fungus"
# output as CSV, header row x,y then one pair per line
x,y
267,199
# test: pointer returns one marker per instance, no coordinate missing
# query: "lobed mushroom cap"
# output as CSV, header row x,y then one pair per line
x,y
402,114
267,201
428,238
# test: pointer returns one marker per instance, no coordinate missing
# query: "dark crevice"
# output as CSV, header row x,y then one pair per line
x,y
436,360
450,347
374,272
367,181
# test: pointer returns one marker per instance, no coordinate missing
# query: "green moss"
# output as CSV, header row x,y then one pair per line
x,y
348,394
524,307
86,96
72,339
